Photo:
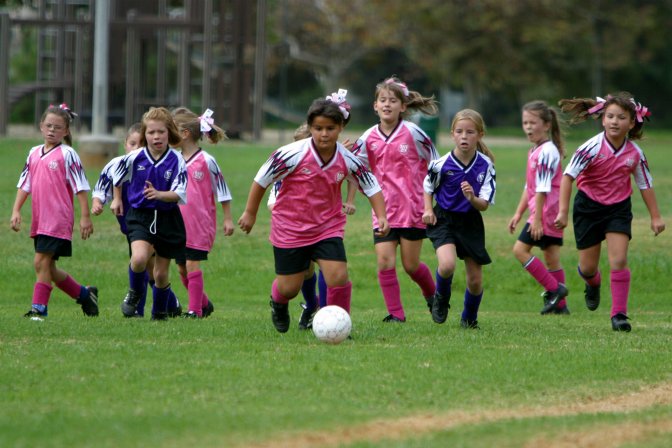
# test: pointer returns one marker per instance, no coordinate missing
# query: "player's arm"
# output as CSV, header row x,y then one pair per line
x,y
15,221
249,216
228,221
649,197
349,208
378,205
85,223
522,206
428,216
565,193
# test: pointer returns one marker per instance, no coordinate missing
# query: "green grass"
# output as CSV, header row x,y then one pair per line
x,y
232,380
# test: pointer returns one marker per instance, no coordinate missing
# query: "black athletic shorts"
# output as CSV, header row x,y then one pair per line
x,y
192,255
465,230
592,220
297,259
397,233
542,243
51,245
163,229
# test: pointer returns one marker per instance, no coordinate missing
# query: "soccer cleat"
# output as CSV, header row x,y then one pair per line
x,y
36,314
130,303
440,307
553,297
391,318
429,300
191,315
209,309
280,316
90,303
556,310
175,312
469,324
306,319
619,322
161,315
592,296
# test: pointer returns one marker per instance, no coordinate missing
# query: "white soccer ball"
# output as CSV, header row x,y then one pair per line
x,y
332,324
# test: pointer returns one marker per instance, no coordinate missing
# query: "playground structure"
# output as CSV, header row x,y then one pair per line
x,y
200,54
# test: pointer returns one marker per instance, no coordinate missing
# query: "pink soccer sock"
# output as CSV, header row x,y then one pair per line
x,y
423,277
41,293
537,270
195,290
389,284
340,295
559,275
275,294
620,288
70,287
595,280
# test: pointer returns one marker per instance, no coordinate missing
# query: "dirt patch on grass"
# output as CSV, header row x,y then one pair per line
x,y
413,426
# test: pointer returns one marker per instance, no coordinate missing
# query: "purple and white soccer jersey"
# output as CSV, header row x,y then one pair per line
x,y
103,190
602,172
544,173
447,173
309,209
52,179
168,173
399,161
206,188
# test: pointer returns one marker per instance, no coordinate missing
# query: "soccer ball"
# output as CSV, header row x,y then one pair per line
x,y
332,324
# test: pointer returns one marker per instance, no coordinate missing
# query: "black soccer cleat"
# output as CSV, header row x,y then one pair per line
x,y
177,311
306,319
552,299
394,319
620,323
90,302
36,314
191,315
440,307
130,303
280,316
592,296
469,324
209,309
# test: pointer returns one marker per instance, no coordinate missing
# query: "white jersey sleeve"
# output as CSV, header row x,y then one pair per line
x,y
359,149
548,164
281,163
24,178
642,175
423,144
219,186
74,171
103,188
583,156
359,173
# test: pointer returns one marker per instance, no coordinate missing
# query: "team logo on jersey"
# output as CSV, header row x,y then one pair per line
x,y
339,176
403,148
306,171
141,168
53,165
480,178
374,146
629,162
168,174
449,173
198,175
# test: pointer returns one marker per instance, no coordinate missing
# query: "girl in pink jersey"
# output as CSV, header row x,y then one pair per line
x,y
602,167
52,175
307,219
540,196
397,152
205,188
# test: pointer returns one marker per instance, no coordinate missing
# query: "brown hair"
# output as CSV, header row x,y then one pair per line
x,y
477,119
135,127
163,115
186,119
413,100
548,114
66,114
580,110
326,108
302,132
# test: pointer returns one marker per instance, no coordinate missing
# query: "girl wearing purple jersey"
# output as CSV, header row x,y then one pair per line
x,y
602,210
397,152
463,184
540,196
205,188
312,171
157,181
52,175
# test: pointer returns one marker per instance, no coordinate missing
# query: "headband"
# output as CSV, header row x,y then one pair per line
x,y
401,85
339,99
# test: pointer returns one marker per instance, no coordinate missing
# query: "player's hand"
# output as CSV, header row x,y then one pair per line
x,y
15,221
149,191
349,208
228,227
467,190
536,231
429,218
383,227
513,223
560,221
348,144
657,225
96,207
117,207
85,227
246,222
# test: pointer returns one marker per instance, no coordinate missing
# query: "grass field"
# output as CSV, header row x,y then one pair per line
x,y
232,380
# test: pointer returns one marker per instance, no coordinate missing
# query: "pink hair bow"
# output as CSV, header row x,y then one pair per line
x,y
599,106
401,85
206,120
641,112
339,98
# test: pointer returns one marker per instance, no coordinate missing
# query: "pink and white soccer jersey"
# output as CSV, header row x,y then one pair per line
x,y
603,172
206,188
52,179
544,173
309,209
399,162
